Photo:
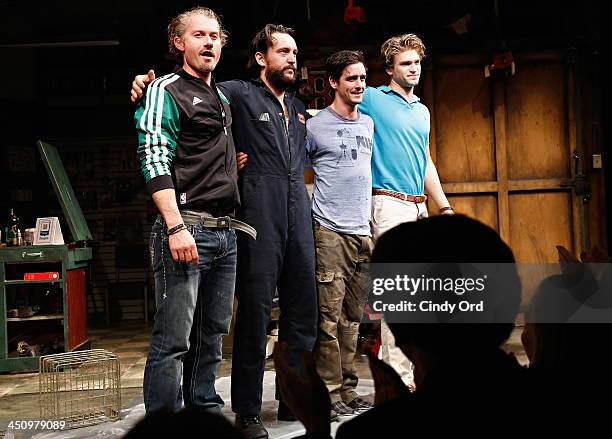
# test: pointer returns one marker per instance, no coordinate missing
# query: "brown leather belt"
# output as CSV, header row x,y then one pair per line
x,y
399,195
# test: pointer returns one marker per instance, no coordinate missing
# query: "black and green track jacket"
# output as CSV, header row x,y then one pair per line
x,y
185,143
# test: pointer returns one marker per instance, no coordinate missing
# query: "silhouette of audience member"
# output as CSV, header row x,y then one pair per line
x,y
568,313
186,423
567,339
464,381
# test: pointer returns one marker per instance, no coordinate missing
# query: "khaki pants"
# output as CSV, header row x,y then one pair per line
x,y
342,278
388,212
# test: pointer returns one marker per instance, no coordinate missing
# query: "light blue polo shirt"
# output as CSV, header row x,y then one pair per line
x,y
401,137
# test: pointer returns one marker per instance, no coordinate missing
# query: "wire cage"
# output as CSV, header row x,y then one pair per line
x,y
81,388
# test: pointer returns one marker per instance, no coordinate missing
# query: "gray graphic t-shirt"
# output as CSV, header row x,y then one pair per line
x,y
341,150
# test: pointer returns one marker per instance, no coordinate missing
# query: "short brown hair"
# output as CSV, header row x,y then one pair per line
x,y
399,44
337,62
178,24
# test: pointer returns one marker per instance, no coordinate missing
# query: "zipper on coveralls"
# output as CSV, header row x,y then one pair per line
x,y
285,122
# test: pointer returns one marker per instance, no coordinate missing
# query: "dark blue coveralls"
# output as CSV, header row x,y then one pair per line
x,y
274,201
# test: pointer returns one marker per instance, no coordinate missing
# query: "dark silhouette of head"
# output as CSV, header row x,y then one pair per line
x,y
189,422
449,240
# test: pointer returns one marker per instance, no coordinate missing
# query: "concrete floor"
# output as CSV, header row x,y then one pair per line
x,y
19,391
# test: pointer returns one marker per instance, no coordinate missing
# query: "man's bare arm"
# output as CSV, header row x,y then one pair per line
x,y
433,187
182,245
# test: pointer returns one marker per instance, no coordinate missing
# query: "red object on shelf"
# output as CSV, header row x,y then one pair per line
x,y
48,275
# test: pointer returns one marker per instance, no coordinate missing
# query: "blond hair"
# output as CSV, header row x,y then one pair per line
x,y
178,25
399,44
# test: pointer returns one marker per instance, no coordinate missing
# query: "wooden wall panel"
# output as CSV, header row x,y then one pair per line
x,y
537,122
482,207
464,125
538,223
529,123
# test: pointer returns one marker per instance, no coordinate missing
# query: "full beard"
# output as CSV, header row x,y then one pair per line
x,y
278,80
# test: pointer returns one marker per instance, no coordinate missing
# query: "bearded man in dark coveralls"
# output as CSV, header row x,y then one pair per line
x,y
269,129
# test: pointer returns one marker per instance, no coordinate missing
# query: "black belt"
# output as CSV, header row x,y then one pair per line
x,y
205,219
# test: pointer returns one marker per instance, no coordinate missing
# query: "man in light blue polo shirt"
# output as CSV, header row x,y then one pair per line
x,y
402,168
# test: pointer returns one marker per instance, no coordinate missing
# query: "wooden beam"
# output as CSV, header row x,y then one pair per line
x,y
470,188
538,184
501,163
572,136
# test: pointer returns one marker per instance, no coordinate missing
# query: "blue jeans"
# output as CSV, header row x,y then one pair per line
x,y
194,310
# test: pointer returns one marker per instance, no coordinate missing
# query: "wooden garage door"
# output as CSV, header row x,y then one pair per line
x,y
504,149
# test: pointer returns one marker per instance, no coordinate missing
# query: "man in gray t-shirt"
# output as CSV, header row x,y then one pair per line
x,y
339,142
340,149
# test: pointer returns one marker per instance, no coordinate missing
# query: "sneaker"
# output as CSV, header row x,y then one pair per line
x,y
284,413
360,404
342,409
251,427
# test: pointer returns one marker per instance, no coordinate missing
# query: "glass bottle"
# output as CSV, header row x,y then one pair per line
x,y
13,229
